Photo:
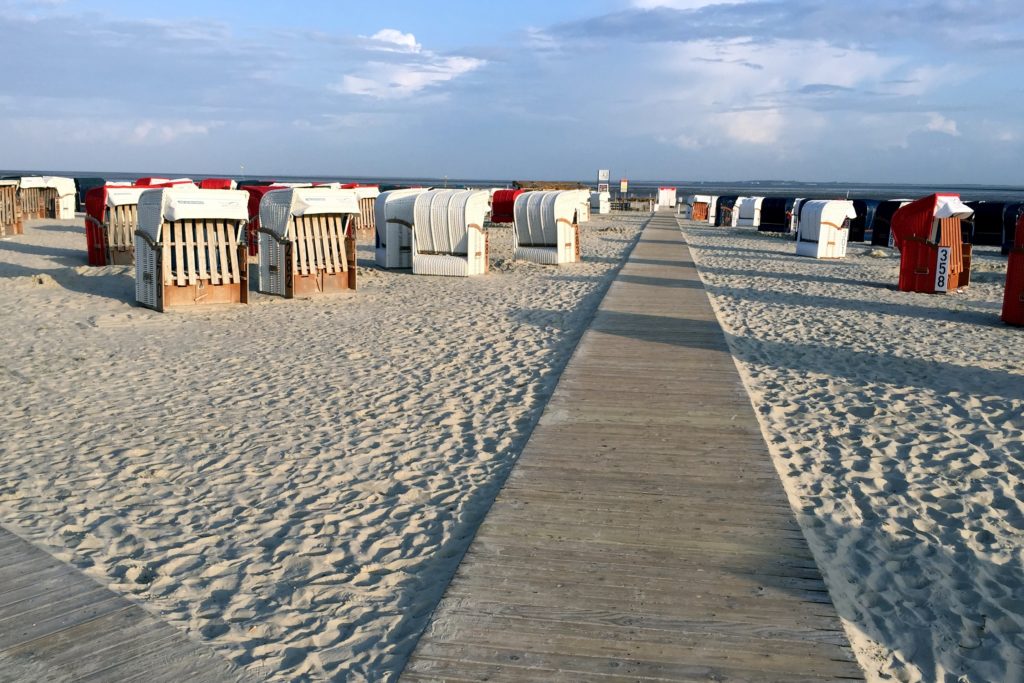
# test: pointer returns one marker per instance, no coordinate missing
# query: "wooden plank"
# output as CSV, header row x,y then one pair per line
x,y
643,533
190,250
331,247
224,264
326,259
166,237
201,251
178,231
56,624
211,252
300,243
232,230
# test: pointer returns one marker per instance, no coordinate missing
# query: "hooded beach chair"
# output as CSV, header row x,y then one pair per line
x,y
448,237
933,255
546,228
187,247
395,214
307,241
10,209
824,228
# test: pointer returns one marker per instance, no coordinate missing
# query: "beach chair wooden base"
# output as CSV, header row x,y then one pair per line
x,y
321,281
201,293
120,257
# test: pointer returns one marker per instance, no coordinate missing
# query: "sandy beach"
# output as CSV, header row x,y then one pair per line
x,y
291,482
896,422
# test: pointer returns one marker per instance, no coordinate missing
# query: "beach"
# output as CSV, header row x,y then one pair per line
x,y
291,482
896,422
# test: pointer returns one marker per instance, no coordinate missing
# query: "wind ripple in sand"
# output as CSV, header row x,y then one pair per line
x,y
292,481
897,423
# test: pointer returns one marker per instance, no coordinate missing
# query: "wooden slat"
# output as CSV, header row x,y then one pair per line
x,y
179,262
300,243
338,231
201,251
330,248
643,532
322,248
310,243
236,274
167,237
190,250
225,276
211,251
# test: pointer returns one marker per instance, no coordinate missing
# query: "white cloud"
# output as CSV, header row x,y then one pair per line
x,y
680,4
384,80
937,123
163,132
754,127
393,40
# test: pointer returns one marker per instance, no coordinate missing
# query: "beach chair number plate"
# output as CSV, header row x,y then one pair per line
x,y
942,270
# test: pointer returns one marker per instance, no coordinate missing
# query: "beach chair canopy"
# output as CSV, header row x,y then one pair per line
x,y
218,184
444,219
187,202
65,186
817,214
918,218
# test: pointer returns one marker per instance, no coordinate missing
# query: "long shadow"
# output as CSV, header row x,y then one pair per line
x,y
79,230
674,283
64,257
661,262
845,363
906,310
797,277
119,286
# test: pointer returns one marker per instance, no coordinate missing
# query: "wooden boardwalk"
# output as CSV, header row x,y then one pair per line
x,y
644,533
57,625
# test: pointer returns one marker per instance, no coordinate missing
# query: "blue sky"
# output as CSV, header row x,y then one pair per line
x,y
913,91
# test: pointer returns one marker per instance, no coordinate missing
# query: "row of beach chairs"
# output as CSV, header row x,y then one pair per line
x,y
932,234
192,244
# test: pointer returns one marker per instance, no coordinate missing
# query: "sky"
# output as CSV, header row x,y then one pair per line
x,y
911,91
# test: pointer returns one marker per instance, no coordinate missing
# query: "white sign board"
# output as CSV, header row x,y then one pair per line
x,y
603,175
942,270
603,187
623,186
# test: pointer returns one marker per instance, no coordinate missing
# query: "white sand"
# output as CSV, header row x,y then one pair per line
x,y
293,482
897,423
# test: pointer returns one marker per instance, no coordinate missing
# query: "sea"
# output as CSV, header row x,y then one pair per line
x,y
637,188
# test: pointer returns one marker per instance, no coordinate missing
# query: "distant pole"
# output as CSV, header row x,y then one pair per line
x,y
446,181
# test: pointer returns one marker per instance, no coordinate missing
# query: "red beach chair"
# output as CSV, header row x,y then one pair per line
x,y
502,206
1013,299
933,256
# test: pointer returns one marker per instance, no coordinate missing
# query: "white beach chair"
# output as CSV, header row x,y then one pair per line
x,y
394,215
448,237
307,241
824,228
187,247
546,228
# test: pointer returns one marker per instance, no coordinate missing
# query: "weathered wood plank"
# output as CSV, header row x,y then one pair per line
x,y
56,624
644,533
